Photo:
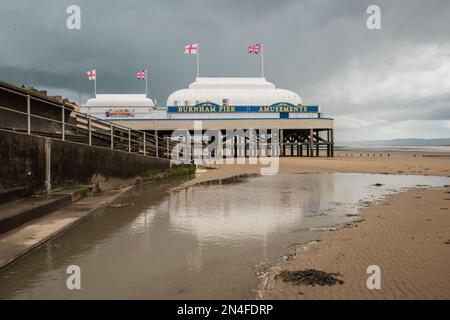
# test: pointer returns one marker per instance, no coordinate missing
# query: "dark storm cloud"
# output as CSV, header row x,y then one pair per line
x,y
307,44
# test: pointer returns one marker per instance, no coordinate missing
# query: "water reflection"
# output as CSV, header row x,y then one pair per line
x,y
201,242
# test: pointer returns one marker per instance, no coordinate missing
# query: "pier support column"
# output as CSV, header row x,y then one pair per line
x,y
311,141
317,142
281,143
235,146
328,142
332,143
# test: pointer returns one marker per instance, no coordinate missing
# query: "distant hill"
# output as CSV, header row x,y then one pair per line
x,y
397,142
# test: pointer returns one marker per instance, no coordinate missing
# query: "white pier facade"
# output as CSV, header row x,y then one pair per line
x,y
225,104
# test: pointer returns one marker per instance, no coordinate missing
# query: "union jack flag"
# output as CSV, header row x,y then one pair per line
x,y
255,48
142,75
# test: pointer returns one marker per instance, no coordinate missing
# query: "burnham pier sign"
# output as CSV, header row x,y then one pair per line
x,y
209,107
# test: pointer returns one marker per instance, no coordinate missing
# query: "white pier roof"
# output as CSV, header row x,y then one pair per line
x,y
119,106
122,100
237,91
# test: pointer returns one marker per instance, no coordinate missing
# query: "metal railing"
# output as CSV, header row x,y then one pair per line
x,y
77,127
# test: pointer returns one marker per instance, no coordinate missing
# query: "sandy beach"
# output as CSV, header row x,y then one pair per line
x,y
406,234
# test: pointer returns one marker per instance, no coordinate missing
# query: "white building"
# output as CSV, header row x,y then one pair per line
x,y
222,104
235,98
119,106
206,98
236,92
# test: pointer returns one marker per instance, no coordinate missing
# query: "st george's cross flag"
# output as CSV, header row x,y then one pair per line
x,y
191,48
255,48
91,74
142,75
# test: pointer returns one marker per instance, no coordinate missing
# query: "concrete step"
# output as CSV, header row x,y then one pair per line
x,y
16,213
29,236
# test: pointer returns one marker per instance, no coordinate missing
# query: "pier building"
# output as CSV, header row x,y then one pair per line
x,y
226,104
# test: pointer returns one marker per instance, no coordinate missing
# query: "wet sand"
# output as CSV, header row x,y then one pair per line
x,y
407,235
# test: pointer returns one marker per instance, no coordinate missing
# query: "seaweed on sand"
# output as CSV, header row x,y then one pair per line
x,y
310,277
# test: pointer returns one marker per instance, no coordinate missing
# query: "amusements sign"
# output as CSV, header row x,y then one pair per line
x,y
209,107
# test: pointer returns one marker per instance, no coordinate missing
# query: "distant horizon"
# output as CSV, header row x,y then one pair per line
x,y
397,139
438,144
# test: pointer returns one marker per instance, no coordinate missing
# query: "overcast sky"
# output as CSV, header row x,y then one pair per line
x,y
378,84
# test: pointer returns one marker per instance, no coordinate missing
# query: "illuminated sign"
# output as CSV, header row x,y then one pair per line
x,y
119,113
209,107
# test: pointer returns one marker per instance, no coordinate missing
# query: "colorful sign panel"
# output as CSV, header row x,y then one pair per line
x,y
209,107
119,113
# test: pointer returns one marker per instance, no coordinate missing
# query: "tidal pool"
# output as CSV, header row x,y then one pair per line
x,y
200,242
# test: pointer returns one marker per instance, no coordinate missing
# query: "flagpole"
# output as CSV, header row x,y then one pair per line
x,y
262,61
146,83
95,85
198,61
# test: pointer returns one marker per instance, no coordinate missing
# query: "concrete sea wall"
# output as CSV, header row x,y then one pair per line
x,y
40,164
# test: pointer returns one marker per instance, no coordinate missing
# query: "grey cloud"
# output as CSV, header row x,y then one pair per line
x,y
306,43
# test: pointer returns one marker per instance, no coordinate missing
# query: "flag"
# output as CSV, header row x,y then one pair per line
x,y
254,48
91,74
142,75
191,48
